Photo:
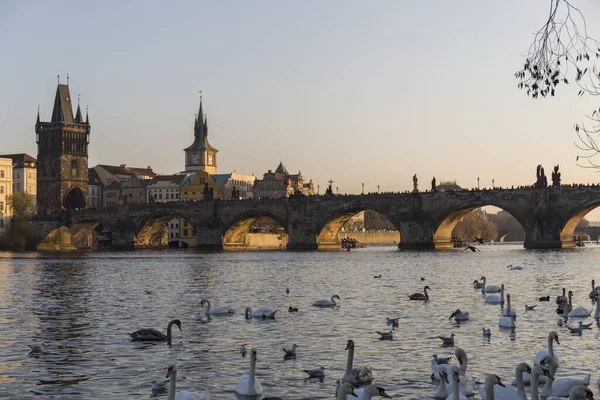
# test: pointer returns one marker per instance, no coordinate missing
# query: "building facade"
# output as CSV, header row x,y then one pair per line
x,y
227,185
165,188
24,173
200,155
282,184
95,189
111,173
6,190
62,161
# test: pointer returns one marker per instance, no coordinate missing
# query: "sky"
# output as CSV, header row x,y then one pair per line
x,y
353,91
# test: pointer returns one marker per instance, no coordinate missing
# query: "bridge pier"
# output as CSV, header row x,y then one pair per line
x,y
302,237
544,232
416,235
210,238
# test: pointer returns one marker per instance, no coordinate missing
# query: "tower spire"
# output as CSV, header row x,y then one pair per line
x,y
38,117
200,129
87,116
78,116
67,79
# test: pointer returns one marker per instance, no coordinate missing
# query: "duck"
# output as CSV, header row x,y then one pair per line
x,y
218,310
37,349
154,335
509,392
488,288
487,393
420,296
578,312
460,316
261,312
544,298
344,391
560,387
514,267
495,298
327,302
292,309
357,376
368,392
477,284
377,276
316,372
487,332
385,335
448,341
290,353
248,384
507,321
183,395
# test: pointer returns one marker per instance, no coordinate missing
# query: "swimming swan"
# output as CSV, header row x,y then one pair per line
x,y
507,321
368,392
508,392
327,302
345,390
249,385
455,388
261,312
174,395
487,393
578,312
495,298
460,316
420,296
488,288
154,335
560,387
217,309
357,376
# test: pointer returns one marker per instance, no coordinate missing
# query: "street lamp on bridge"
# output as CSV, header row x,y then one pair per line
x,y
377,188
477,183
493,186
363,188
318,187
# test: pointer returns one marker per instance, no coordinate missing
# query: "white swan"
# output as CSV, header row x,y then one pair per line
x,y
552,337
456,386
514,267
174,395
578,312
560,387
491,381
460,316
249,385
465,387
507,321
592,294
488,288
580,392
345,391
495,298
261,312
508,392
357,376
537,372
327,302
217,309
441,392
368,392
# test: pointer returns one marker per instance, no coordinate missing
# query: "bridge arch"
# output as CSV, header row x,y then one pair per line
x,y
329,228
81,233
74,199
165,227
238,235
574,217
445,223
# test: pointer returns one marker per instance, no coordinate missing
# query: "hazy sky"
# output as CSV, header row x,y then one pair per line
x,y
354,91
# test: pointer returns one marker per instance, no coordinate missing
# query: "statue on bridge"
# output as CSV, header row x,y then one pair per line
x,y
542,181
433,184
555,177
415,183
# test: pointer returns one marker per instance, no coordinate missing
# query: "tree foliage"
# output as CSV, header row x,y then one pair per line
x,y
22,204
476,225
21,234
562,47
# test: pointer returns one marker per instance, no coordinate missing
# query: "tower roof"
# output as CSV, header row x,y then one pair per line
x,y
200,132
63,110
78,116
281,169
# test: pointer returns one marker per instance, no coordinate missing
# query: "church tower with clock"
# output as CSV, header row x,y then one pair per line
x,y
201,156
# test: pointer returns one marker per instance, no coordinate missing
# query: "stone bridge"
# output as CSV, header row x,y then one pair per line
x,y
425,219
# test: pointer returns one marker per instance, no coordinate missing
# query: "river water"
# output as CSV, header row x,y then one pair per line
x,y
84,305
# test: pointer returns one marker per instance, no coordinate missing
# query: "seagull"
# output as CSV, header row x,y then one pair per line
x,y
487,332
478,240
530,308
576,331
393,322
447,341
291,353
316,373
559,322
441,360
472,248
243,350
386,335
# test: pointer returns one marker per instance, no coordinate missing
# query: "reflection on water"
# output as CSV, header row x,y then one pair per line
x,y
84,307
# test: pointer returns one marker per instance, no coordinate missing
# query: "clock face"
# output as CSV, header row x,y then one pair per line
x,y
210,159
195,159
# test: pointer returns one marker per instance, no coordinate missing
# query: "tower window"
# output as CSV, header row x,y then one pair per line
x,y
2,174
74,169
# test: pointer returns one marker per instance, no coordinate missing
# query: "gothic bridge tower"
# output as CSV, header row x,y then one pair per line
x,y
62,161
201,156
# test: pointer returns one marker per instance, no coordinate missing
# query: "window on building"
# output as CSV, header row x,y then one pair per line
x,y
74,169
29,175
177,225
185,232
1,189
1,173
1,206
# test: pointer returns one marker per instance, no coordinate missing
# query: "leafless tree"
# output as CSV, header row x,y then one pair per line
x,y
562,47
